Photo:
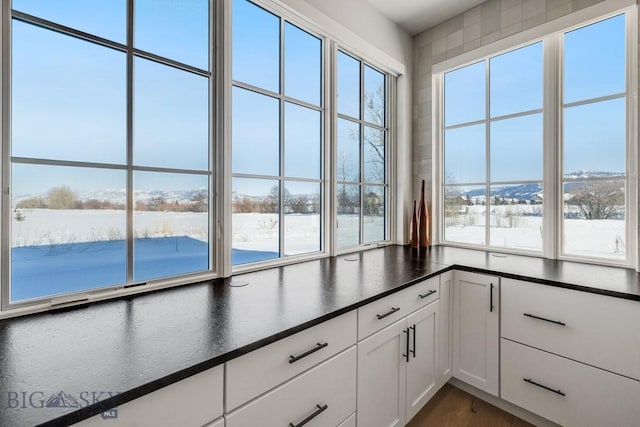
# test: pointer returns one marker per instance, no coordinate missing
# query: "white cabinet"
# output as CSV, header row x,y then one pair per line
x,y
567,392
476,336
590,328
445,361
397,369
385,311
261,370
194,401
422,369
322,396
216,423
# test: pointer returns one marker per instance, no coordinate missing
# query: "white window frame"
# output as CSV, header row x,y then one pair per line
x,y
130,286
389,99
551,34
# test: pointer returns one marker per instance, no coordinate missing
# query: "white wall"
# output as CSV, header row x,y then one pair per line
x,y
357,25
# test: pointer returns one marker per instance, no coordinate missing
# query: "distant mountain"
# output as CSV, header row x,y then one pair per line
x,y
591,174
534,191
515,192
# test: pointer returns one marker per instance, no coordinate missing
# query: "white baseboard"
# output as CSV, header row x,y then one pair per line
x,y
519,412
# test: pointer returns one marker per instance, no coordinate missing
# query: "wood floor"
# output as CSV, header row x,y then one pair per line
x,y
452,407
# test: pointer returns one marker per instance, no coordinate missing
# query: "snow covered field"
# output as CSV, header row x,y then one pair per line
x,y
520,226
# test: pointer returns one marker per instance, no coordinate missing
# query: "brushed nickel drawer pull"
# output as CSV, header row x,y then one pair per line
x,y
556,322
388,313
530,381
428,294
308,352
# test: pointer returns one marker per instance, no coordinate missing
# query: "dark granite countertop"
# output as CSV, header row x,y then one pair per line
x,y
138,344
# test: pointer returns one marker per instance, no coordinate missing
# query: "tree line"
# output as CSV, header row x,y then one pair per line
x,y
65,198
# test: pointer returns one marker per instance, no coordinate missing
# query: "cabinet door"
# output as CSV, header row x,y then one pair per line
x,y
445,361
217,423
382,377
476,330
422,368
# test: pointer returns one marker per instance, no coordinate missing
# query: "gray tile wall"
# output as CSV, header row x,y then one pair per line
x,y
482,25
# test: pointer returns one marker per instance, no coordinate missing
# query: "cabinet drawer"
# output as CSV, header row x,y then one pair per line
x,y
590,328
259,371
380,314
194,401
326,392
421,294
349,422
590,396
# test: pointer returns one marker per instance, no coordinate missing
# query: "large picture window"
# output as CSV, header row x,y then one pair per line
x,y
277,137
551,115
361,153
594,167
110,165
493,120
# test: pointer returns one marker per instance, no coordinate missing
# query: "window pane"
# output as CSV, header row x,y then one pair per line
x,y
302,65
302,141
594,139
256,46
516,81
177,30
171,112
516,149
256,133
374,96
594,219
348,151
68,230
348,233
255,220
171,224
56,81
301,217
464,214
374,207
374,155
348,85
465,94
107,19
516,216
594,60
465,154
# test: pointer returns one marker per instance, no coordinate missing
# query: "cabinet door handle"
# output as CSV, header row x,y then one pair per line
x,y
530,381
428,294
414,341
406,355
491,299
555,322
318,346
318,411
388,313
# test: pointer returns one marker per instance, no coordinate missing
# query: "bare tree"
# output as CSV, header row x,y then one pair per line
x,y
598,199
61,198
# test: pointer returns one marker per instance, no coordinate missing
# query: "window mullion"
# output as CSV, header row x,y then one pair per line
x,y
487,130
552,148
130,107
282,152
362,130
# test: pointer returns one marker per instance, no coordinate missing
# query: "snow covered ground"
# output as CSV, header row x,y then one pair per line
x,y
520,226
